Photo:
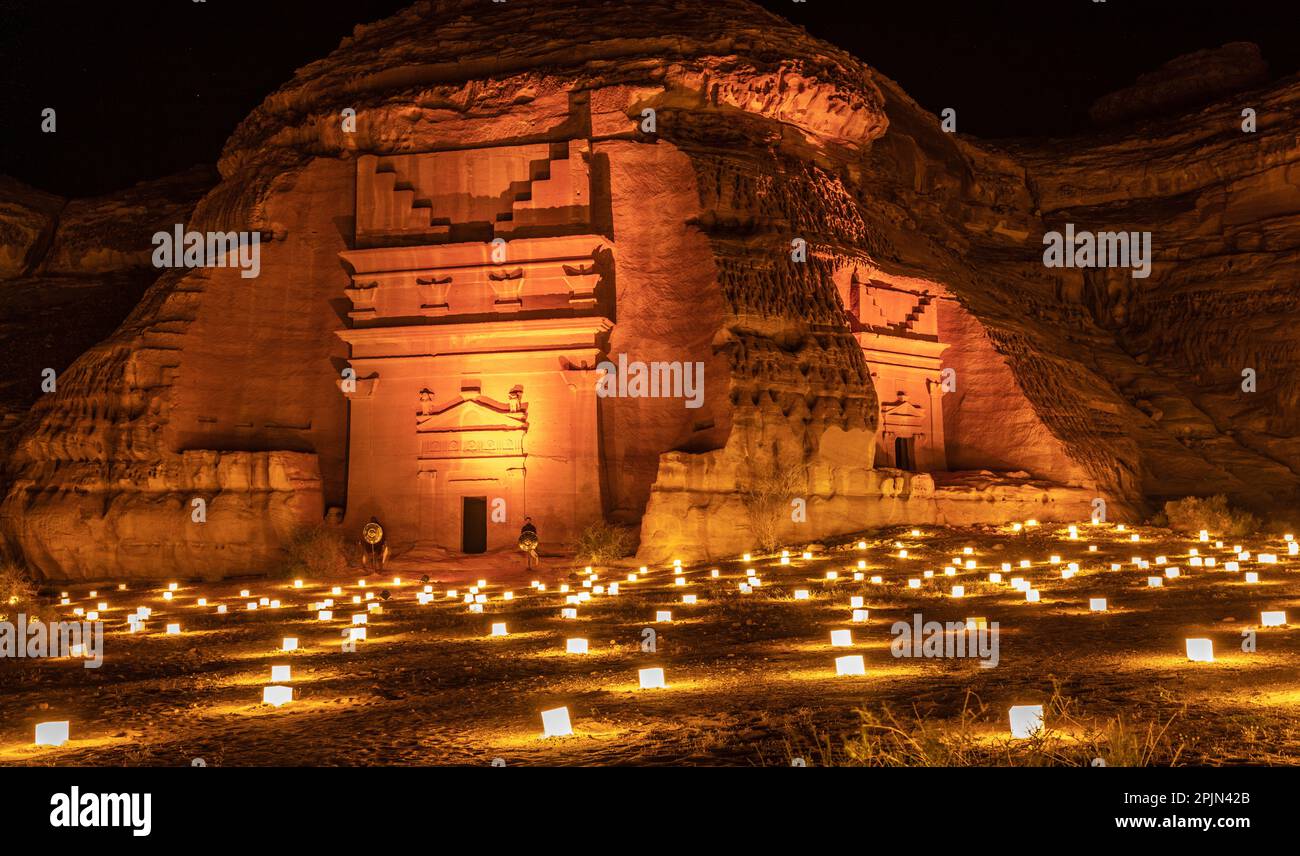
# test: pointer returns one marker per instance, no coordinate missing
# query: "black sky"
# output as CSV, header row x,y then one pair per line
x,y
146,88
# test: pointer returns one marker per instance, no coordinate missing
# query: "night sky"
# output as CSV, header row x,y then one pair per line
x,y
150,87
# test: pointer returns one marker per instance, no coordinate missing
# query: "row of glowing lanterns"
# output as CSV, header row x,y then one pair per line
x,y
556,722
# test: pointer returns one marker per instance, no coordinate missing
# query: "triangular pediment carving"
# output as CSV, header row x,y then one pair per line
x,y
472,413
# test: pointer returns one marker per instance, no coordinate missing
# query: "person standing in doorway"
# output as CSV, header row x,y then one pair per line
x,y
528,541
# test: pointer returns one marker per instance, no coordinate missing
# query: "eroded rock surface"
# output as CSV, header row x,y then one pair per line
x,y
1093,384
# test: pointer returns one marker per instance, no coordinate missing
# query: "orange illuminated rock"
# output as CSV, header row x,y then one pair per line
x,y
845,310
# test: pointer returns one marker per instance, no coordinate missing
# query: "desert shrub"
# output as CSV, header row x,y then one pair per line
x,y
1069,739
1213,514
605,542
18,594
316,552
766,497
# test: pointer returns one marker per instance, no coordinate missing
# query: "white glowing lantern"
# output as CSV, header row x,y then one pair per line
x,y
360,618
1231,566
297,584
613,588
902,554
958,591
995,577
1272,619
575,646
476,608
1026,720
324,615
1055,560
1031,595
203,601
1155,582
950,571
1266,559
832,575
855,602
663,616
357,634
689,598
862,564
167,595
568,612
264,601
680,581
652,679
221,610
277,695
245,592
1160,560
1195,561
1097,604
806,555
842,638
1251,577
914,583
801,594
52,733
1200,650
877,580
280,674
928,574
289,643
555,723
499,629
858,576
785,560
1067,574
746,558
1293,547
173,630
859,616
1204,536
1025,563
251,605
1173,573
851,664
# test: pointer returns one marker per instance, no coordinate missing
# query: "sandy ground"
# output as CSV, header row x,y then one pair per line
x,y
751,677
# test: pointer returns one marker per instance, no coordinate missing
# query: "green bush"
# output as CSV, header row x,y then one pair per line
x,y
605,542
1213,514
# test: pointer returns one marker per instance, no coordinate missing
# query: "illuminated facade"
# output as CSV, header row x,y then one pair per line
x,y
479,312
898,328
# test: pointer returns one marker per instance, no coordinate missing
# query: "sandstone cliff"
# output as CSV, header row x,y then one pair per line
x,y
1124,388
